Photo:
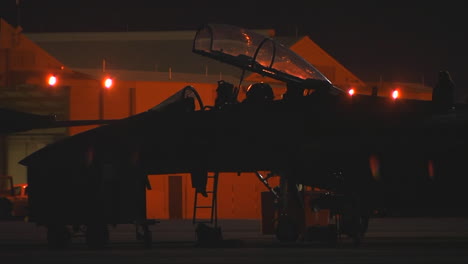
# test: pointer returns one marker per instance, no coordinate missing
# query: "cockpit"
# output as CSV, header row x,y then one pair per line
x,y
254,52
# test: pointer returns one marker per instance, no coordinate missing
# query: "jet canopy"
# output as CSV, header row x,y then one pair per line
x,y
254,52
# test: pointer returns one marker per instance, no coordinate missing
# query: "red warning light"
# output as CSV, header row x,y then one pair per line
x,y
351,91
52,80
395,94
108,82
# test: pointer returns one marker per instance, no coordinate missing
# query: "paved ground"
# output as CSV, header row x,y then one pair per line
x,y
389,240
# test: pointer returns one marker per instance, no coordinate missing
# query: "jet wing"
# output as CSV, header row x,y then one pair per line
x,y
16,121
13,121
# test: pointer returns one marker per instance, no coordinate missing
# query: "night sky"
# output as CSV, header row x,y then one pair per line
x,y
407,41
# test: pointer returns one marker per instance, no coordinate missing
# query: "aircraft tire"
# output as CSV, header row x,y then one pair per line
x,y
58,236
286,230
97,236
332,239
147,238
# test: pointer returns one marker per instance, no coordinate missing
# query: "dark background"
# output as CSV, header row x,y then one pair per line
x,y
405,41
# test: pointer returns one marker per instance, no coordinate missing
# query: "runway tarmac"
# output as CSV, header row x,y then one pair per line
x,y
389,240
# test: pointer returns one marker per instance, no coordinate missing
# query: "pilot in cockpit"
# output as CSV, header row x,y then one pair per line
x,y
309,87
259,93
226,94
293,91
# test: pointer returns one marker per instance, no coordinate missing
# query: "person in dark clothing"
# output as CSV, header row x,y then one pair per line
x,y
443,93
226,94
293,92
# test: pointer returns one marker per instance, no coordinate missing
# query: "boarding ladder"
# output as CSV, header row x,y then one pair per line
x,y
264,180
208,203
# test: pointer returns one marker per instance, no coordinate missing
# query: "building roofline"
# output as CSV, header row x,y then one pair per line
x,y
121,36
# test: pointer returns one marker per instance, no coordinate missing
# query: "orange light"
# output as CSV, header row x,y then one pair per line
x,y
52,80
374,164
351,91
395,94
108,82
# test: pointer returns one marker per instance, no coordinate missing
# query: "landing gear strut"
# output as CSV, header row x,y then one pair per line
x,y
287,228
144,233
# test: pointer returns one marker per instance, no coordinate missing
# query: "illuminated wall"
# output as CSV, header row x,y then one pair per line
x,y
238,197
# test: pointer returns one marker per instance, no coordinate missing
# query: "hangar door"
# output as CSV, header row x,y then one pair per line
x,y
20,146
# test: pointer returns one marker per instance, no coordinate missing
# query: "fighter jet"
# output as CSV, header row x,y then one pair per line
x,y
361,149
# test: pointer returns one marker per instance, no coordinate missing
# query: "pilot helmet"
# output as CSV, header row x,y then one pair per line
x,y
259,92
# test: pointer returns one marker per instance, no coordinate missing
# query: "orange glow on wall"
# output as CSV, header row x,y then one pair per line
x,y
238,197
